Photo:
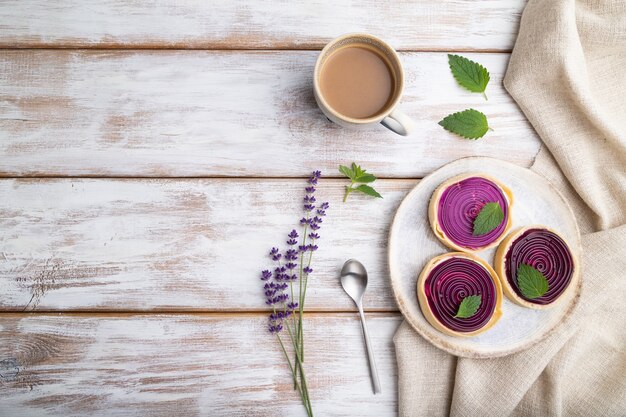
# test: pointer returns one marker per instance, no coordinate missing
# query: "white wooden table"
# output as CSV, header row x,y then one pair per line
x,y
152,152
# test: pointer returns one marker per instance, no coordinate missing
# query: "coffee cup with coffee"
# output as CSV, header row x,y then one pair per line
x,y
358,81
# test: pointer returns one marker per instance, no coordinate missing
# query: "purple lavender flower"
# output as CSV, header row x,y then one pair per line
x,y
308,203
315,222
279,273
275,289
314,177
309,199
275,328
321,211
275,254
293,238
277,282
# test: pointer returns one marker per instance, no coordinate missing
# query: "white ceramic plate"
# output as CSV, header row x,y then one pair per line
x,y
412,243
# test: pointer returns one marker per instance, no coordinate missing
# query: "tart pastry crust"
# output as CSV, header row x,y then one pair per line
x,y
499,263
425,307
433,212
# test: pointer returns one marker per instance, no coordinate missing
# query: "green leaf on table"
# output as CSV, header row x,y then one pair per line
x,y
358,171
469,74
347,171
365,178
469,306
366,189
532,283
358,175
470,124
489,217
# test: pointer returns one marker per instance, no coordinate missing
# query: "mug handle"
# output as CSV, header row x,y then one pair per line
x,y
398,122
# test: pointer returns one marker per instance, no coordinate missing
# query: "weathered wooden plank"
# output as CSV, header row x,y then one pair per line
x,y
188,364
240,24
198,113
172,244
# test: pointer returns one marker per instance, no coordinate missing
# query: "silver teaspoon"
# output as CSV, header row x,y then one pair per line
x,y
354,282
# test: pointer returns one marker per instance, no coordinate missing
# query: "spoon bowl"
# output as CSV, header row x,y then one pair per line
x,y
354,280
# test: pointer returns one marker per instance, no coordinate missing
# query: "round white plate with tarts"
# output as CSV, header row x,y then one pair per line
x,y
412,244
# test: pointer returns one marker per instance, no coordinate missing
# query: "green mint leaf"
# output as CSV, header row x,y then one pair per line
x,y
365,178
347,171
531,282
469,74
470,124
366,189
360,176
357,170
490,217
469,306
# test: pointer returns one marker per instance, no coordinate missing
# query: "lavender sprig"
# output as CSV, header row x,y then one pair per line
x,y
296,268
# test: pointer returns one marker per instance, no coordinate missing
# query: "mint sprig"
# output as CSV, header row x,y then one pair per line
x,y
531,282
469,74
489,217
469,306
470,124
357,175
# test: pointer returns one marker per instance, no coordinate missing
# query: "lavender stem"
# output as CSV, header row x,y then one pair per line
x,y
306,282
305,397
299,366
301,309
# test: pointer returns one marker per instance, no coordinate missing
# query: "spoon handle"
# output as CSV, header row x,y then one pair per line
x,y
370,354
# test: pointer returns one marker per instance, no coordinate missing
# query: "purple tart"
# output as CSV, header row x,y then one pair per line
x,y
456,204
545,253
447,281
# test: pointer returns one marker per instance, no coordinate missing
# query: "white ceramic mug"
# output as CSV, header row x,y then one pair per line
x,y
390,117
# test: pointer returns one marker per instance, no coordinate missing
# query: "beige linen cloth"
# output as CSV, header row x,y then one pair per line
x,y
568,75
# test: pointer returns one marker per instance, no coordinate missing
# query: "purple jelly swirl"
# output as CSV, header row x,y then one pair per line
x,y
546,252
459,205
449,282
